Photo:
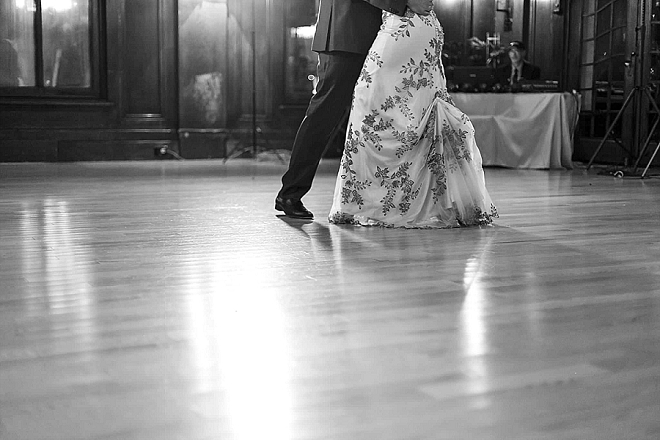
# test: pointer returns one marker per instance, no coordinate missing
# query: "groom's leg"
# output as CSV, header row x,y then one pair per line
x,y
338,72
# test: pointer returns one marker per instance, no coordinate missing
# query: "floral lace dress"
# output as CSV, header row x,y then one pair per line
x,y
410,158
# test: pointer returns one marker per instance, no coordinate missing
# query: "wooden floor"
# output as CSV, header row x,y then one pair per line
x,y
168,300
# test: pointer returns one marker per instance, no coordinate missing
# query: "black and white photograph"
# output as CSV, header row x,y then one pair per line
x,y
329,220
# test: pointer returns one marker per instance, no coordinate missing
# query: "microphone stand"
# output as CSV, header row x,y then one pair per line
x,y
253,150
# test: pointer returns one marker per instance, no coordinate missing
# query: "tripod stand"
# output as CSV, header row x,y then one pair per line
x,y
253,150
636,94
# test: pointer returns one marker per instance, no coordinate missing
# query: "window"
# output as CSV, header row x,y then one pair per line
x,y
301,62
602,67
47,47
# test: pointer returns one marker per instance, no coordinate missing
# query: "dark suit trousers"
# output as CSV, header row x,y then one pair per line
x,y
338,73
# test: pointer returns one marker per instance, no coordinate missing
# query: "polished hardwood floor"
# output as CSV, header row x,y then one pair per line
x,y
168,300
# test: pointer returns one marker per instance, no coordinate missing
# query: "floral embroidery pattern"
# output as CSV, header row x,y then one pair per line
x,y
404,26
370,128
352,187
365,76
395,182
456,139
406,141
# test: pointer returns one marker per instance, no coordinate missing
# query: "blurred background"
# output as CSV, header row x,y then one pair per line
x,y
120,79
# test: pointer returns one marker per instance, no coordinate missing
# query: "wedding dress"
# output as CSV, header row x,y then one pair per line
x,y
410,158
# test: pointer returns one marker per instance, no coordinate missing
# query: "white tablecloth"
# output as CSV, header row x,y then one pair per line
x,y
523,130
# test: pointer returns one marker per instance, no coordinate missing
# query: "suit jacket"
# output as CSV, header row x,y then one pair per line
x,y
351,25
529,71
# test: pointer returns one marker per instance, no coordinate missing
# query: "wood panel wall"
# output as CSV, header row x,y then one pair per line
x,y
546,39
153,60
269,30
136,111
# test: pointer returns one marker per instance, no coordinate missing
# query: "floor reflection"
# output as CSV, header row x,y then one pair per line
x,y
241,349
473,332
55,258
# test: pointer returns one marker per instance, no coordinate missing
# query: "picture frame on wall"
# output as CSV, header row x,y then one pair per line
x,y
556,9
503,5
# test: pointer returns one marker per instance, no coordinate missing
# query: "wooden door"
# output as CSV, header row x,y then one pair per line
x,y
604,74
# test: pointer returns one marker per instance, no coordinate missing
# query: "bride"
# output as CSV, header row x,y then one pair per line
x,y
410,159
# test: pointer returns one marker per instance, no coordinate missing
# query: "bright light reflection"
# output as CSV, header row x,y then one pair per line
x,y
472,311
58,266
303,32
31,258
58,5
473,329
239,338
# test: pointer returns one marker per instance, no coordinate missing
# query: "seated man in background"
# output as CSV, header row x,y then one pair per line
x,y
519,69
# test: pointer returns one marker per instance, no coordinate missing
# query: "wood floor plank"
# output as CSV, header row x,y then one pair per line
x,y
169,300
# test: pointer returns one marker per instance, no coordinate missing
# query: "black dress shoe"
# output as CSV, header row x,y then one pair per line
x,y
292,208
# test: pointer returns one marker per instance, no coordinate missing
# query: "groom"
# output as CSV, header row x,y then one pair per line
x,y
345,31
